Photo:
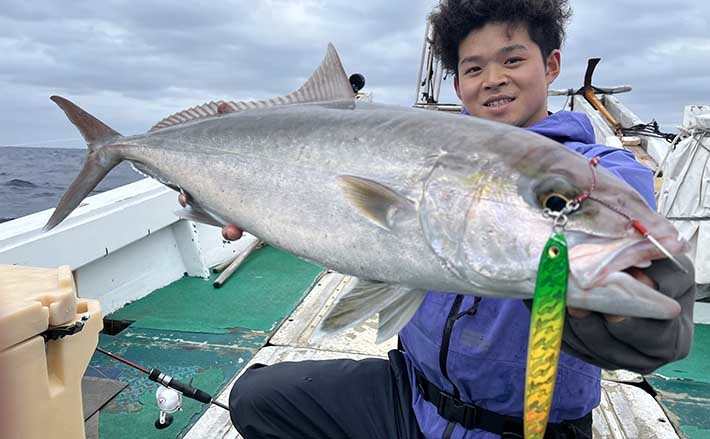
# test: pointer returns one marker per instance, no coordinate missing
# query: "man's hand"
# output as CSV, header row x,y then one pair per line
x,y
230,232
637,344
637,274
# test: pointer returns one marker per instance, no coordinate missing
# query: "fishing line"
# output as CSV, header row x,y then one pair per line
x,y
634,223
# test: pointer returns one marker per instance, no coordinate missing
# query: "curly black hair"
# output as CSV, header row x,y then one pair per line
x,y
453,20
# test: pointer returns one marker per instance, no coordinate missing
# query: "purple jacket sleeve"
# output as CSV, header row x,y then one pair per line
x,y
623,164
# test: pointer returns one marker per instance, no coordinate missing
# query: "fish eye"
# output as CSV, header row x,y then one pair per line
x,y
554,193
555,202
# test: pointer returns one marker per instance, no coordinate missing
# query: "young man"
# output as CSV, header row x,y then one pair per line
x,y
462,369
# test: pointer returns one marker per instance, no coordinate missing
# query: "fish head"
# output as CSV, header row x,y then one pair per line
x,y
486,219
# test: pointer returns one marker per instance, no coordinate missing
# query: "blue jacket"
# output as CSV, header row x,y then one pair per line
x,y
488,350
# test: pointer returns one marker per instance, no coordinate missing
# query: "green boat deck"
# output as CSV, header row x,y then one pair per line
x,y
683,387
190,330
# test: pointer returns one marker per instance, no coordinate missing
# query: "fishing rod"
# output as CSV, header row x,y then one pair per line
x,y
168,402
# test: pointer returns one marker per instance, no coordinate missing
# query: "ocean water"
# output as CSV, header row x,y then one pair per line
x,y
34,179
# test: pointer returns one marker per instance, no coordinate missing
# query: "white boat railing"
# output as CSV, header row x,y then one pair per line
x,y
121,244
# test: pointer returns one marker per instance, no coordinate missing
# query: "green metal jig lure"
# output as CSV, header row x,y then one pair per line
x,y
548,311
547,322
548,317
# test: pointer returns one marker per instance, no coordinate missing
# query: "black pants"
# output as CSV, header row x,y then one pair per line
x,y
330,399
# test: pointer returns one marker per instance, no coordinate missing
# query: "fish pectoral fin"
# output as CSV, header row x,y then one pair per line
x,y
398,314
196,213
365,299
374,201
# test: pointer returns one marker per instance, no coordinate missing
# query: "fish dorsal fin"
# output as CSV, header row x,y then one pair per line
x,y
328,83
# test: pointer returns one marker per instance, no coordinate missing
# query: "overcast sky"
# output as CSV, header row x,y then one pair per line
x,y
132,63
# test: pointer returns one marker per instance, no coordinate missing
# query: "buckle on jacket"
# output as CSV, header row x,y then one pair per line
x,y
458,411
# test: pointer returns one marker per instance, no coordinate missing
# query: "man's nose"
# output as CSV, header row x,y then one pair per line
x,y
494,78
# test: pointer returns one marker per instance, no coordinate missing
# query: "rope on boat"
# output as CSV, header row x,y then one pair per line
x,y
650,130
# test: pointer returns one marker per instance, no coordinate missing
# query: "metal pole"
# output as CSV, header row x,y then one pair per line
x,y
440,69
429,75
220,267
421,63
232,268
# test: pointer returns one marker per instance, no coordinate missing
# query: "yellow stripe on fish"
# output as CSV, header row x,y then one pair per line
x,y
546,325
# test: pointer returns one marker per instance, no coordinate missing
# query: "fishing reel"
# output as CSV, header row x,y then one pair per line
x,y
169,392
169,401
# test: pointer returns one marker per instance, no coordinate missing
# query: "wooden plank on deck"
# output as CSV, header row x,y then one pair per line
x,y
299,330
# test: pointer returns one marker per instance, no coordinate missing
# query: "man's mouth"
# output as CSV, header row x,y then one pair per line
x,y
498,102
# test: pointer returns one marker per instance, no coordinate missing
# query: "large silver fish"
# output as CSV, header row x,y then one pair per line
x,y
406,200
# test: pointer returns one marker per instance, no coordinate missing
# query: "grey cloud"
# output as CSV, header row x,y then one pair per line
x,y
133,63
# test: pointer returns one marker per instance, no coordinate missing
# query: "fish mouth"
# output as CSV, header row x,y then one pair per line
x,y
599,282
590,264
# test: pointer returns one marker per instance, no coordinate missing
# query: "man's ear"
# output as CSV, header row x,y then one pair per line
x,y
457,88
552,66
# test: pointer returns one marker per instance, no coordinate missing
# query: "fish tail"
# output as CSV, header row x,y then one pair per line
x,y
98,163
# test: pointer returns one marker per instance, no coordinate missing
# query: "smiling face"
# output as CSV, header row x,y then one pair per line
x,y
502,75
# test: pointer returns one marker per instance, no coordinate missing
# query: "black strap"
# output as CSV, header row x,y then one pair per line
x,y
471,416
57,332
454,315
446,339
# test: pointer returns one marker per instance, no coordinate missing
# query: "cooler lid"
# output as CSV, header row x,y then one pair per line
x,y
32,300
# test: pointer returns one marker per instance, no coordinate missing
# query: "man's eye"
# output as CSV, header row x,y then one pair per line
x,y
513,60
473,70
